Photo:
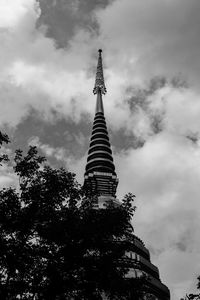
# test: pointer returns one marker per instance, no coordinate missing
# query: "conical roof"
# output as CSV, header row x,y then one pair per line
x,y
100,173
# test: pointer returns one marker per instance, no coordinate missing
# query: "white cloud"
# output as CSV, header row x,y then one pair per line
x,y
148,38
165,176
137,38
11,12
58,152
184,281
181,109
34,68
62,154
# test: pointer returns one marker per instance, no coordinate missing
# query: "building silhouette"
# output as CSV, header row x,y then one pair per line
x,y
100,178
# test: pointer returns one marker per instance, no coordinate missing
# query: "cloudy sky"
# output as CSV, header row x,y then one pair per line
x,y
151,53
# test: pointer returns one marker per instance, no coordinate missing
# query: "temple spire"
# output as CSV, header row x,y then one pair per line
x,y
100,175
99,82
100,182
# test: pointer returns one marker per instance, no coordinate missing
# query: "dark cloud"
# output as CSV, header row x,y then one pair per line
x,y
123,140
193,137
58,133
64,17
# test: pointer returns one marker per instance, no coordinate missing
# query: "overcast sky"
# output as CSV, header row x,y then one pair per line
x,y
151,54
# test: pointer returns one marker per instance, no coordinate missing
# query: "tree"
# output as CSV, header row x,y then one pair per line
x,y
54,245
3,139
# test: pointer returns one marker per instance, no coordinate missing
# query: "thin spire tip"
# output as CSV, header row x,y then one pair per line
x,y
99,82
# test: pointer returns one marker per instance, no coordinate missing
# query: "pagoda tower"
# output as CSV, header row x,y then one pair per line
x,y
100,176
101,180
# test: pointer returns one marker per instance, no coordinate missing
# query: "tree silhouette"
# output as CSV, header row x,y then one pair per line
x,y
54,245
3,139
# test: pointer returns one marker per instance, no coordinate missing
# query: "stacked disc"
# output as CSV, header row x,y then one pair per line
x,y
100,176
100,155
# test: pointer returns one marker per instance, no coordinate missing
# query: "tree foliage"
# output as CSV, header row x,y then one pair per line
x,y
52,245
3,139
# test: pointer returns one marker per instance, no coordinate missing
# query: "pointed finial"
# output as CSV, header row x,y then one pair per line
x,y
99,82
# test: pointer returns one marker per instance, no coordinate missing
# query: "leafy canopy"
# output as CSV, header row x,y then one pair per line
x,y
54,245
